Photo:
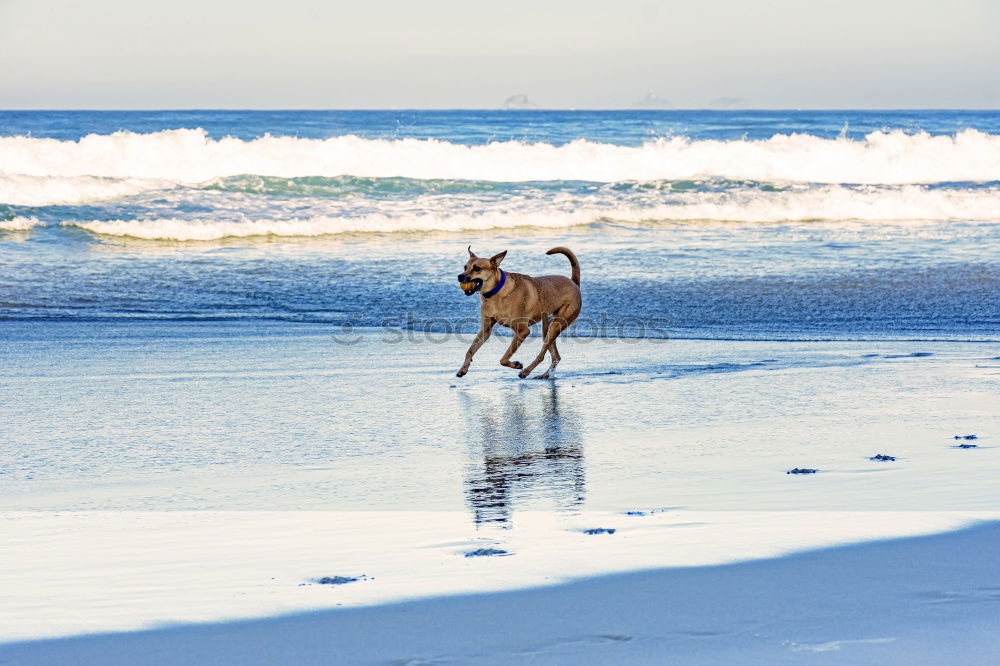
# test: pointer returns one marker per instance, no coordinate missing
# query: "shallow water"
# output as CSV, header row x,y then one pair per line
x,y
155,415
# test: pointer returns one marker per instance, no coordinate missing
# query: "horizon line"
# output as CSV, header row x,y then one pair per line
x,y
489,108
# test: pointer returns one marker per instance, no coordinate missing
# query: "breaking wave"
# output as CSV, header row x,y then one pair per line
x,y
26,190
189,156
18,224
831,202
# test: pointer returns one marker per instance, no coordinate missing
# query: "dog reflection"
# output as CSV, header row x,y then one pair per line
x,y
527,448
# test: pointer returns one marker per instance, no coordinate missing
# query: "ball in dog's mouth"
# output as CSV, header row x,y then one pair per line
x,y
471,287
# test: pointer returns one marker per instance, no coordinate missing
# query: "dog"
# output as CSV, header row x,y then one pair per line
x,y
517,301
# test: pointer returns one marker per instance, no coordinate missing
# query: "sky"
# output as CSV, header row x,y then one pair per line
x,y
305,54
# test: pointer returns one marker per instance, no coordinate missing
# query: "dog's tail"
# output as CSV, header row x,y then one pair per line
x,y
572,261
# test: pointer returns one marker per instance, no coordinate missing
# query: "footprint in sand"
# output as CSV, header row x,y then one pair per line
x,y
339,580
487,552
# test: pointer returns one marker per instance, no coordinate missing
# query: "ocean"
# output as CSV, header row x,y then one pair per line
x,y
747,225
229,344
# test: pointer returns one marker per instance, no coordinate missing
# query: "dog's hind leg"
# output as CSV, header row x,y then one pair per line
x,y
555,327
553,351
554,355
521,331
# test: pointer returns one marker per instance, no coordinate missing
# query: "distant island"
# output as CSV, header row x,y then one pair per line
x,y
519,102
653,101
728,103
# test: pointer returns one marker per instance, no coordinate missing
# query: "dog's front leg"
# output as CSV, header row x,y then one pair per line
x,y
521,330
482,336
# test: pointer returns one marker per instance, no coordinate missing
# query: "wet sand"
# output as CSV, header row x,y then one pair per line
x,y
295,456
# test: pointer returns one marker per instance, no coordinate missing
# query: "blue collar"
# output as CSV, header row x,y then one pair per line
x,y
493,292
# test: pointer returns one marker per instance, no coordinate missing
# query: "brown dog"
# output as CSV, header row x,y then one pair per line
x,y
517,301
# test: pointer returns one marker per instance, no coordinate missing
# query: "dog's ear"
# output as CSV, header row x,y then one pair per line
x,y
472,255
497,258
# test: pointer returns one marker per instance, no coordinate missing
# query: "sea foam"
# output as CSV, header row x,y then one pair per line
x,y
18,224
828,202
190,156
28,190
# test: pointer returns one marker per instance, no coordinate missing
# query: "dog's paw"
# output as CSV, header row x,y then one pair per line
x,y
524,373
544,375
517,365
461,373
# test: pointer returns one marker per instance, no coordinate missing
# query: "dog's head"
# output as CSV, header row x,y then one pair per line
x,y
480,273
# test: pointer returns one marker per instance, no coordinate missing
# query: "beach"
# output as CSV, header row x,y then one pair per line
x,y
186,521
881,602
232,430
